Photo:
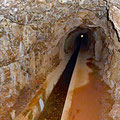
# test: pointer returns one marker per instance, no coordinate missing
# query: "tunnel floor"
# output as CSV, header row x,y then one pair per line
x,y
88,97
55,103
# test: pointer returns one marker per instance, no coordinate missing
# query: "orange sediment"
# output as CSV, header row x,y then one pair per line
x,y
90,100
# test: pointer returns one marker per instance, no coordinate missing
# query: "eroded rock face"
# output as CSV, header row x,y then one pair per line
x,y
32,36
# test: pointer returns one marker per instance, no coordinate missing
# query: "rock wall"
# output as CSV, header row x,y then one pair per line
x,y
32,35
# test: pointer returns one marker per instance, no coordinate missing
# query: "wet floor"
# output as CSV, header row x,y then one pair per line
x,y
90,99
55,103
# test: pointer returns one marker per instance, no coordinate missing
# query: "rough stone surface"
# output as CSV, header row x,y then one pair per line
x,y
32,34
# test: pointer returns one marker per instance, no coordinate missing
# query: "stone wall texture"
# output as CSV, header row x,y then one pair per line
x,y
32,35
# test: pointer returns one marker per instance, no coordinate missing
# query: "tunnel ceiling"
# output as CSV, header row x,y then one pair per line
x,y
32,37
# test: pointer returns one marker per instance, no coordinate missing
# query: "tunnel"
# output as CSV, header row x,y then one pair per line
x,y
54,106
80,41
73,84
59,60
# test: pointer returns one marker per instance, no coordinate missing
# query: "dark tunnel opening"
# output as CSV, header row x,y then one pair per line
x,y
78,38
82,41
55,103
